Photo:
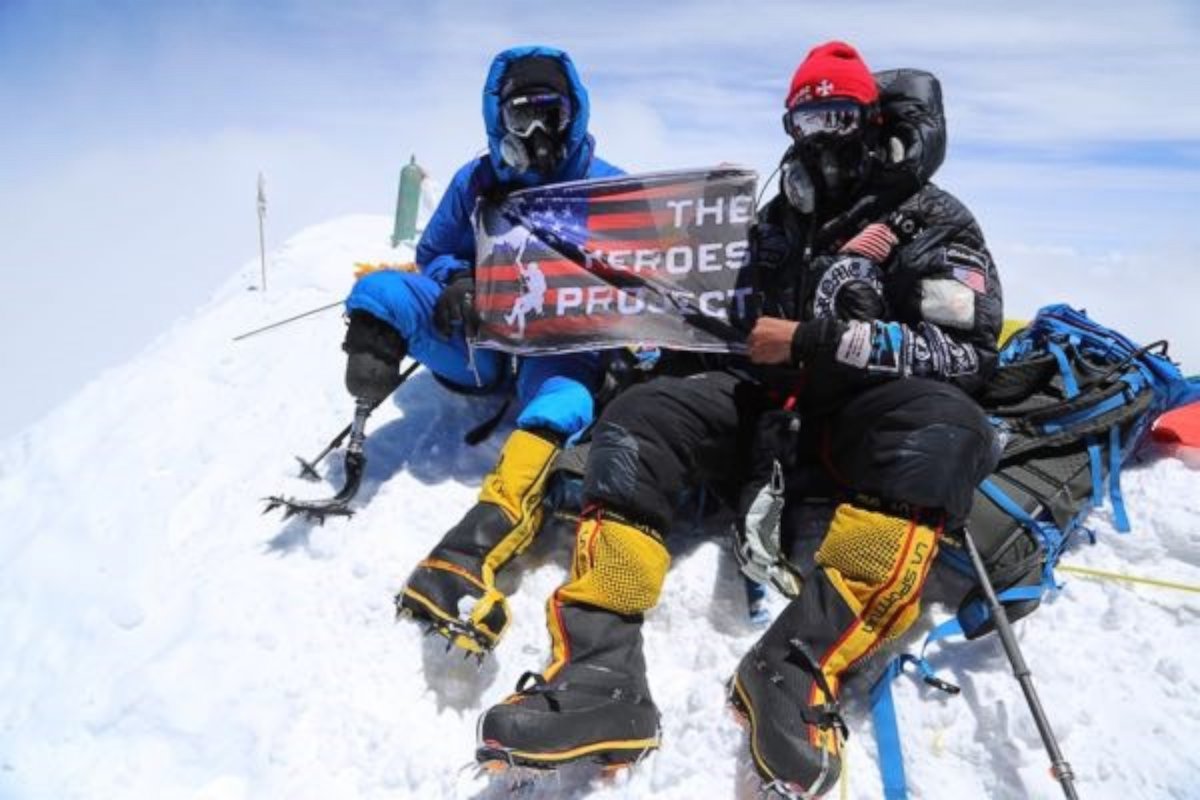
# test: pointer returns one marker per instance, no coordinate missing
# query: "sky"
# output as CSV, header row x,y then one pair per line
x,y
133,134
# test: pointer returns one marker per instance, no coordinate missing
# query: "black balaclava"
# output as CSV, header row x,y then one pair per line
x,y
832,170
541,151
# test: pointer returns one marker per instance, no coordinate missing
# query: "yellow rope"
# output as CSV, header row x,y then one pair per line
x,y
1117,576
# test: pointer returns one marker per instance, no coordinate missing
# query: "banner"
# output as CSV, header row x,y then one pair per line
x,y
655,260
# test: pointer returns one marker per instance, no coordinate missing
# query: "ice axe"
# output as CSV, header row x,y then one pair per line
x,y
1059,767
308,469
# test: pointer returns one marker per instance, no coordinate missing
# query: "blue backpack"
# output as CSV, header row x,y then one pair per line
x,y
1071,400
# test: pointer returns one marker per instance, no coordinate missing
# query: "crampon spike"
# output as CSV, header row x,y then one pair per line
x,y
312,511
779,790
497,762
453,631
516,777
318,510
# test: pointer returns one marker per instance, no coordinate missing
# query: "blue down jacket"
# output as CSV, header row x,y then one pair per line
x,y
554,391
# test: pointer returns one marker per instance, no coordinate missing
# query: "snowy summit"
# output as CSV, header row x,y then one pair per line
x,y
164,639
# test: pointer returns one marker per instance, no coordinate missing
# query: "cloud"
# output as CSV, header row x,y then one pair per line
x,y
139,130
1148,295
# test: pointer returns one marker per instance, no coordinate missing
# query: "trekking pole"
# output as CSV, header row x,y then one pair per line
x,y
256,331
308,469
355,465
1059,767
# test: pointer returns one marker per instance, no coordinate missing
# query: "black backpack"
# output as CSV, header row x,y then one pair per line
x,y
1071,400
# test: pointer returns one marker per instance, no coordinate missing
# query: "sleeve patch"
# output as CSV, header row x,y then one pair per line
x,y
889,346
854,348
946,301
841,273
959,256
969,267
972,278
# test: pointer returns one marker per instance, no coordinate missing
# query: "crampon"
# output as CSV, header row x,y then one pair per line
x,y
355,465
518,774
457,633
768,790
318,510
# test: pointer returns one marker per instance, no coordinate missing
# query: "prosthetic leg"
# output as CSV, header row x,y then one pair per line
x,y
592,701
865,590
454,588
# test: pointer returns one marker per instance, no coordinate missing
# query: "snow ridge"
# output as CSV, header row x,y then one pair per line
x,y
163,639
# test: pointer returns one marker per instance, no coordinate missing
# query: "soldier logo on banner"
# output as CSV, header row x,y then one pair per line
x,y
656,260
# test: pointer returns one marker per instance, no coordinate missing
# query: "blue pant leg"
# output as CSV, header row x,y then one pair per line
x,y
406,300
555,392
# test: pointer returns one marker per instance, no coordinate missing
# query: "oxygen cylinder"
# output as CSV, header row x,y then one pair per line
x,y
408,200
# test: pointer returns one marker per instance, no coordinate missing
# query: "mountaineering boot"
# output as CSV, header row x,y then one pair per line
x,y
454,588
593,701
596,706
864,590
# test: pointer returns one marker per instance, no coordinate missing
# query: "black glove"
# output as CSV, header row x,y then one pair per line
x,y
816,340
456,306
769,246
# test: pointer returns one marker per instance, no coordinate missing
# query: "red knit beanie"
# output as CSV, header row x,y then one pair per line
x,y
833,69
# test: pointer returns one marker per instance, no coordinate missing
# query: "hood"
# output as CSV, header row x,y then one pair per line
x,y
578,144
911,102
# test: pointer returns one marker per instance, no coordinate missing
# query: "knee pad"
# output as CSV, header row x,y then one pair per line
x,y
915,441
617,566
618,475
878,564
614,476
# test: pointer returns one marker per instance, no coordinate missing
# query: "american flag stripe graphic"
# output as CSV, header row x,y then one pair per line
x,y
577,263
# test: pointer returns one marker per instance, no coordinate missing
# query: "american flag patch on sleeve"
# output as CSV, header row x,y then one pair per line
x,y
972,278
969,267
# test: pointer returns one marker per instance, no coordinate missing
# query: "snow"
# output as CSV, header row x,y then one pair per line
x,y
163,639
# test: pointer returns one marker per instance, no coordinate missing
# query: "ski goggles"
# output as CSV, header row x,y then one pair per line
x,y
524,114
829,118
